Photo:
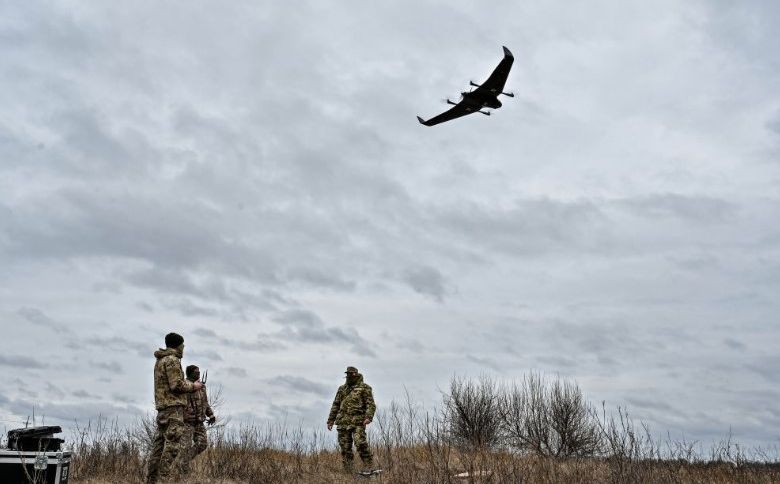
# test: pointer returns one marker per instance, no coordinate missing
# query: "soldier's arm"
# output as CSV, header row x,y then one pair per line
x,y
334,409
175,377
368,398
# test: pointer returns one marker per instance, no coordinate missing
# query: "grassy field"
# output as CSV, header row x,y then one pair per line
x,y
535,431
423,465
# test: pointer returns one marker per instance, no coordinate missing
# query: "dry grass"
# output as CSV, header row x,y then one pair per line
x,y
414,466
418,447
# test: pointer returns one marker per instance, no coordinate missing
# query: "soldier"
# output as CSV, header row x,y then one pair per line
x,y
352,410
195,413
170,389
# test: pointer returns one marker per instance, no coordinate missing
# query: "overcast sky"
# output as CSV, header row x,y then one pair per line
x,y
252,176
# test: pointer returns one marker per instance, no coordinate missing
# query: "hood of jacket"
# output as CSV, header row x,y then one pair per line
x,y
163,352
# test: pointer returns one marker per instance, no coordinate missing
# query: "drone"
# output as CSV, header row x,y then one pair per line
x,y
484,96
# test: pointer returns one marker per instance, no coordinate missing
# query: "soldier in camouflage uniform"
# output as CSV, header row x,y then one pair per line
x,y
353,409
195,413
170,389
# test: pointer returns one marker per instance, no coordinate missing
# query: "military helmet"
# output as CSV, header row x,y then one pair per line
x,y
351,369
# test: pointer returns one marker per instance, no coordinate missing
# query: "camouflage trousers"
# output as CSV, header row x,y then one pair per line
x,y
167,445
356,434
195,442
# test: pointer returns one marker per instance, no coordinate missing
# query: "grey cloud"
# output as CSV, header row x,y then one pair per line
x,y
410,345
118,397
108,286
305,326
696,263
693,209
734,344
208,355
187,308
773,124
299,318
73,344
557,361
212,289
145,306
67,413
300,385
236,371
607,362
87,226
485,361
319,278
427,281
53,390
38,317
23,388
653,404
602,339
16,361
112,366
85,394
528,227
205,332
260,342
300,414
766,367
120,343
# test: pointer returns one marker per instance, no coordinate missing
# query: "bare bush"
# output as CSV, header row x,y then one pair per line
x,y
549,418
473,413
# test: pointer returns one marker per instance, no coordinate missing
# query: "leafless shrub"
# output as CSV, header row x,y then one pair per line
x,y
472,410
549,418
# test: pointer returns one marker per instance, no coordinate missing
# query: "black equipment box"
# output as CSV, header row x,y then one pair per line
x,y
28,467
35,438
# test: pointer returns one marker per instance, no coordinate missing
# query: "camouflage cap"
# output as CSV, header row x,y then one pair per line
x,y
351,369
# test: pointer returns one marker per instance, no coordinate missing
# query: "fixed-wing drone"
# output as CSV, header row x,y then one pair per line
x,y
484,96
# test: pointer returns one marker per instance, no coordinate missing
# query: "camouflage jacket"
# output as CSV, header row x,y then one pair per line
x,y
353,404
198,407
170,385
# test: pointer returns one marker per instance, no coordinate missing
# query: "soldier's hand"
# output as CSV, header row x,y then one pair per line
x,y
330,426
197,385
212,420
366,421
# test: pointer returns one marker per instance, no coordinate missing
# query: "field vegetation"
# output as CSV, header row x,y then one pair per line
x,y
535,430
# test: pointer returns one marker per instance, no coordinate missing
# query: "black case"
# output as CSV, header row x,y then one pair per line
x,y
23,467
35,439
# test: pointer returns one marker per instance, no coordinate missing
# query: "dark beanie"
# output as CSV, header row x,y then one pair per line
x,y
191,370
173,340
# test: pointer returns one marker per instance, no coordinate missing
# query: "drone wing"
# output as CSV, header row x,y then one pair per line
x,y
495,83
456,111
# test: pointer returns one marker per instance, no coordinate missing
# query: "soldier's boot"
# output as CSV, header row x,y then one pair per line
x,y
368,462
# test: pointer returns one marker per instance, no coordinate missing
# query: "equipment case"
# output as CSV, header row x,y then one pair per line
x,y
41,467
